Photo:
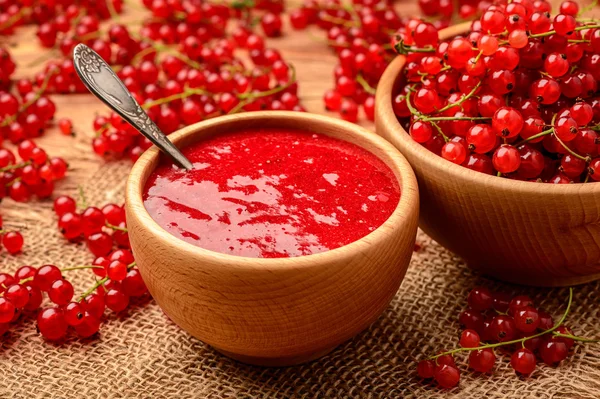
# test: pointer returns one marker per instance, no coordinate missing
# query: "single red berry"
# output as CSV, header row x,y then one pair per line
x,y
61,292
553,351
133,284
94,304
482,360
117,271
527,319
73,313
523,361
446,376
52,324
116,300
506,159
99,244
480,298
426,369
114,214
507,122
7,310
66,126
70,225
566,129
17,294
89,325
469,339
471,319
454,152
546,321
13,242
503,328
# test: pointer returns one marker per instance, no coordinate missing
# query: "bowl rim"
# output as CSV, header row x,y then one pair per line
x,y
385,117
405,209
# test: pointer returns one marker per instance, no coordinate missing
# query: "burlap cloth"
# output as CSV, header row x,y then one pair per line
x,y
143,354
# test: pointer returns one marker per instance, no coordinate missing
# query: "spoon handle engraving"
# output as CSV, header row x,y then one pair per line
x,y
102,82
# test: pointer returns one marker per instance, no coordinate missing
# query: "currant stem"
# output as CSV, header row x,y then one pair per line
x,y
514,341
458,118
575,337
36,97
576,155
247,98
552,32
365,85
179,96
111,226
403,49
535,136
82,198
462,99
15,166
98,283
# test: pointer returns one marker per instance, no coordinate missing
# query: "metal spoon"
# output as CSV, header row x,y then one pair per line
x,y
102,81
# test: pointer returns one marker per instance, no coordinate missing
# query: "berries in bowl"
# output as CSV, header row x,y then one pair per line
x,y
493,116
291,234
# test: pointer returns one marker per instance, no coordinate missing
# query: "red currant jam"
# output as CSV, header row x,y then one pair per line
x,y
272,194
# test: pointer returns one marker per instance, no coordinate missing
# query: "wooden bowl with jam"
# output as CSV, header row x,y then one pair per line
x,y
270,310
523,232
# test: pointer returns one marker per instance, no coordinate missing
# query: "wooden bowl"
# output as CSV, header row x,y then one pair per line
x,y
523,232
275,311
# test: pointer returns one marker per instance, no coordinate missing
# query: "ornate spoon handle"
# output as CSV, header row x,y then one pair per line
x,y
101,80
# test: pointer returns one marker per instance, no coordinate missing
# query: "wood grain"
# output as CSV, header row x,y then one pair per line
x,y
275,311
522,232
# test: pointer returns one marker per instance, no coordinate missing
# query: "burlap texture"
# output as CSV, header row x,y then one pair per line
x,y
144,355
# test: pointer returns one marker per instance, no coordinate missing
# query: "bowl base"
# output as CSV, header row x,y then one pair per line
x,y
276,361
539,281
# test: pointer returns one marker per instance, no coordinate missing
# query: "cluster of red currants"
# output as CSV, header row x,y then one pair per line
x,y
102,229
23,292
117,278
516,96
34,175
499,321
359,34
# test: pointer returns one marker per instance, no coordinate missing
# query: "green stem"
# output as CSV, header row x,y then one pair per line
x,y
587,8
178,96
439,129
462,100
36,97
552,32
112,226
15,166
403,49
514,341
365,85
84,267
458,118
97,284
82,198
575,338
535,136
570,151
247,98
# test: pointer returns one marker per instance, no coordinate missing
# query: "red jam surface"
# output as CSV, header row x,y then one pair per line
x,y
272,193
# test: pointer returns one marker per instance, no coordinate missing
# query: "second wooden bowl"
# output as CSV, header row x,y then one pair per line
x,y
275,311
523,232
